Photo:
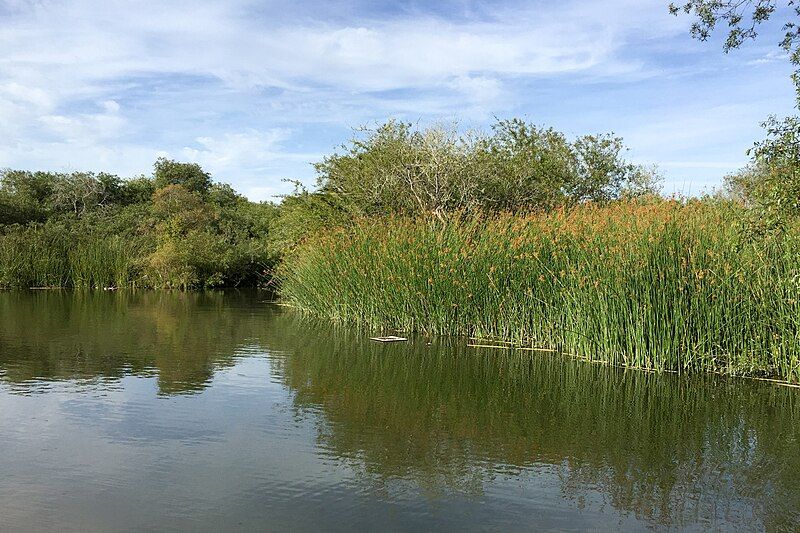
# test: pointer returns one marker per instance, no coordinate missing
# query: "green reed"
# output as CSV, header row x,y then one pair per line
x,y
44,257
662,286
108,262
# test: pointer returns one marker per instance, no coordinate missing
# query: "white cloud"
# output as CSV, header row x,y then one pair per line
x,y
76,47
64,156
250,150
772,56
86,128
255,157
479,89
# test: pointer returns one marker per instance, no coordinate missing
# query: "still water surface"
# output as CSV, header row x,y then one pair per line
x,y
219,412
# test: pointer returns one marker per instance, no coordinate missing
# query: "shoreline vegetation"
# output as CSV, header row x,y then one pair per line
x,y
520,235
660,285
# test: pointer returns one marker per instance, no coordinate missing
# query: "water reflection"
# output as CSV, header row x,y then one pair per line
x,y
180,338
429,428
670,450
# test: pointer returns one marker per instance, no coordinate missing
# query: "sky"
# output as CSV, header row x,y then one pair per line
x,y
257,91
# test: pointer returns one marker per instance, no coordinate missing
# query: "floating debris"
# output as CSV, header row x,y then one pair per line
x,y
390,338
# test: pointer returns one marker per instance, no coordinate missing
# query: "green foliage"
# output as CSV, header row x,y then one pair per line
x,y
80,191
88,230
247,231
771,183
189,175
657,285
9,213
67,254
37,196
36,256
305,213
136,191
532,168
183,230
399,169
779,155
25,195
741,16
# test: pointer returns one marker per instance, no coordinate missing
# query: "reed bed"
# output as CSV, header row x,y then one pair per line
x,y
40,258
661,286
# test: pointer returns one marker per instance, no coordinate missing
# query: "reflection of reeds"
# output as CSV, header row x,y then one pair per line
x,y
451,418
182,338
662,286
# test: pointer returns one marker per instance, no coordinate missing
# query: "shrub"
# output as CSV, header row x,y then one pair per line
x,y
519,166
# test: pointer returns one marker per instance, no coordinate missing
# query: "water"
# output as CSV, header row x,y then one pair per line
x,y
219,412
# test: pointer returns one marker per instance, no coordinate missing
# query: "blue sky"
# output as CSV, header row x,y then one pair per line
x,y
256,91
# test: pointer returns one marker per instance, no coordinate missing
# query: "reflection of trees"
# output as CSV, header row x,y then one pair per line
x,y
672,450
180,337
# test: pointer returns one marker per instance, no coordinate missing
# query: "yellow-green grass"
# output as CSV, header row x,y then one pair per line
x,y
664,286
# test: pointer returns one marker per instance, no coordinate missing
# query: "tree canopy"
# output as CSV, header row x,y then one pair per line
x,y
397,168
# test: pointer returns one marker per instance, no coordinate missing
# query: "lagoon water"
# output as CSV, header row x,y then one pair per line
x,y
219,412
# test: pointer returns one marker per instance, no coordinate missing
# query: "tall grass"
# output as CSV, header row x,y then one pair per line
x,y
46,257
108,262
663,286
34,258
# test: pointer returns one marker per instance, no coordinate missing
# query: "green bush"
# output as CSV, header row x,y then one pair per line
x,y
399,169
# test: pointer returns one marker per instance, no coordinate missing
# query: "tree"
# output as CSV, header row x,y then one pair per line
x,y
79,191
532,167
223,195
398,169
519,166
27,194
523,166
138,190
8,212
180,211
189,175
